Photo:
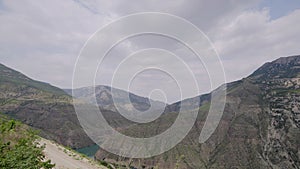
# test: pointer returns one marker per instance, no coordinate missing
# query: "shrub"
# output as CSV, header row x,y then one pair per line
x,y
19,147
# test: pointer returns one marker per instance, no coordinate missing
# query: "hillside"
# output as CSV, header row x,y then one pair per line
x,y
259,127
41,106
19,147
50,109
22,148
67,159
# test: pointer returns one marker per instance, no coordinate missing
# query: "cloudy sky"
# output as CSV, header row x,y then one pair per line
x,y
42,39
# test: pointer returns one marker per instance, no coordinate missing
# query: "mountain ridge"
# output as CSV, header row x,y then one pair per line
x,y
20,78
50,109
41,106
259,127
251,133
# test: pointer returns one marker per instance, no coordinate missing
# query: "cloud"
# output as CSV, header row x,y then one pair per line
x,y
252,38
43,38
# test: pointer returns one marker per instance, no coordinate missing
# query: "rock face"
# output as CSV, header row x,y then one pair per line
x,y
259,127
41,106
281,90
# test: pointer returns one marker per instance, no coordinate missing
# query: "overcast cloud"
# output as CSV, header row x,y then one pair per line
x,y
42,39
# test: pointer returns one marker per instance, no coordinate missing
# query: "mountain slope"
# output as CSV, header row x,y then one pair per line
x,y
259,127
51,110
41,106
20,147
14,77
281,89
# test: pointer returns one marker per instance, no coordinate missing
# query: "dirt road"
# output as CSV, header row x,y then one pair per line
x,y
66,159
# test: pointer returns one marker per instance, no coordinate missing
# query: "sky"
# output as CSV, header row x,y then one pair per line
x,y
43,39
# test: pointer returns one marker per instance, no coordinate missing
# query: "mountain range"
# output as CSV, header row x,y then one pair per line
x,y
260,126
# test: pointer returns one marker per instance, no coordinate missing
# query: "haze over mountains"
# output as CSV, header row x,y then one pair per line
x,y
260,127
107,96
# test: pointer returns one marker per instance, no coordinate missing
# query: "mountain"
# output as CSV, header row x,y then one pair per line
x,y
108,98
260,126
50,109
282,68
41,106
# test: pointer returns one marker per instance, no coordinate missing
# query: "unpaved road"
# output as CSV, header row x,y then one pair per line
x,y
65,159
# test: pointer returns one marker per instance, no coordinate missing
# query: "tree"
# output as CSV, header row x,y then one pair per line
x,y
19,147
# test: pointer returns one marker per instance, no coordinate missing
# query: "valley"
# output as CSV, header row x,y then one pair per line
x,y
259,127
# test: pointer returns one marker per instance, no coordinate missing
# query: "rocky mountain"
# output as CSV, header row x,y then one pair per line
x,y
285,67
260,126
280,84
41,106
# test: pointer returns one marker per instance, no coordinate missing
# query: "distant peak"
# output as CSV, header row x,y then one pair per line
x,y
284,67
287,60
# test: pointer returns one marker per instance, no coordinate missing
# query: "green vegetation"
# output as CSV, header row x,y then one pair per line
x,y
8,75
284,91
19,147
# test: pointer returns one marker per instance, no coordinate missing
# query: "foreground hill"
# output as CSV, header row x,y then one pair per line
x,y
19,147
260,127
22,148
